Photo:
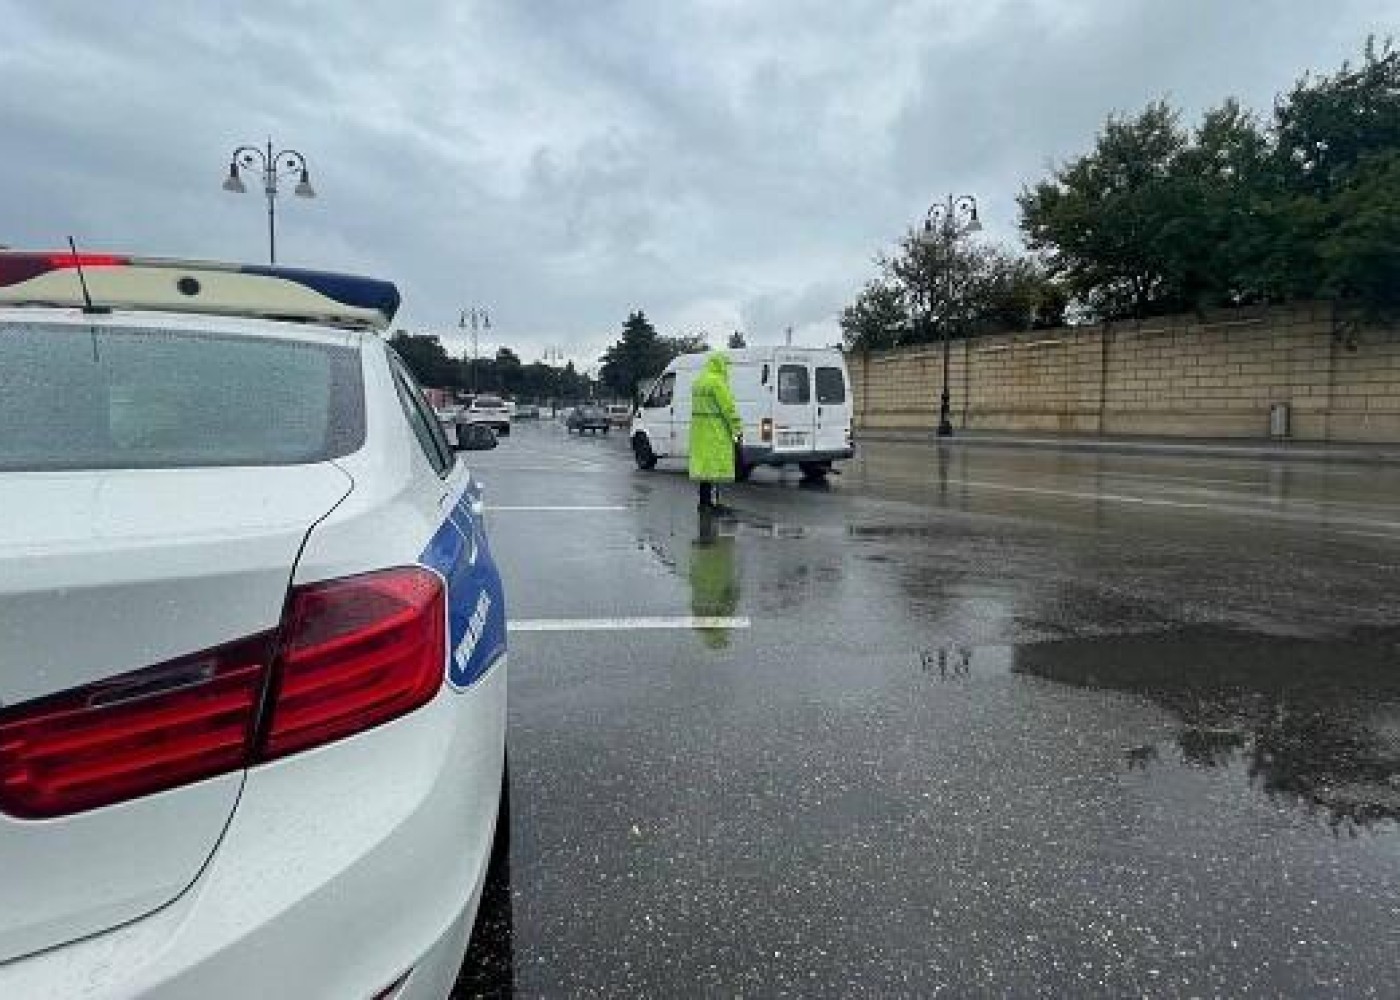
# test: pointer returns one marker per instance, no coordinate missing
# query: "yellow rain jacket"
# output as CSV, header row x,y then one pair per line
x,y
714,423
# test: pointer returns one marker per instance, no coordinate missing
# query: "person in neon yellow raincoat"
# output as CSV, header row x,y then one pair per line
x,y
714,429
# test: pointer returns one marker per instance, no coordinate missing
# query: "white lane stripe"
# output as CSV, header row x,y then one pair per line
x,y
533,468
1393,536
1076,495
1223,508
545,508
623,624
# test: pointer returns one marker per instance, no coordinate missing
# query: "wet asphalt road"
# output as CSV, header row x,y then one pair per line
x,y
982,721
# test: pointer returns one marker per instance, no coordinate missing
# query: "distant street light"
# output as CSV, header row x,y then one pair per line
x,y
479,320
944,222
273,167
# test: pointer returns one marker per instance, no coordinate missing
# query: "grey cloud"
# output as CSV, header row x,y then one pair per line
x,y
563,163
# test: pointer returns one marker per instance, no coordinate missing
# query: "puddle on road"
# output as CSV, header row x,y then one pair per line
x,y
1315,723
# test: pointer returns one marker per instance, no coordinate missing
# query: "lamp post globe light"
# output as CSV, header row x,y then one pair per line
x,y
273,167
955,216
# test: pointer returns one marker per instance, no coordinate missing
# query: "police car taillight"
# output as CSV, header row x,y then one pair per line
x,y
358,652
132,735
351,654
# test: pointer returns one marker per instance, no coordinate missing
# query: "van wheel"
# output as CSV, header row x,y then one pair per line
x,y
641,451
742,471
814,471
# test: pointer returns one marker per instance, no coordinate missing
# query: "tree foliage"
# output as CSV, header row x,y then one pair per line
x,y
504,373
641,353
950,282
1157,218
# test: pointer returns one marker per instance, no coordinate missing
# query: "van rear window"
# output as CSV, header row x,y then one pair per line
x,y
831,386
794,387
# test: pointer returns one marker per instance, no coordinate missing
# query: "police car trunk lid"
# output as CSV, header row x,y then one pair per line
x,y
103,573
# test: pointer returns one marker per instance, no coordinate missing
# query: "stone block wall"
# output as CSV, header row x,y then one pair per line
x,y
1184,376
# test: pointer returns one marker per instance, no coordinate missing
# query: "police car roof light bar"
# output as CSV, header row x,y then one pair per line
x,y
213,287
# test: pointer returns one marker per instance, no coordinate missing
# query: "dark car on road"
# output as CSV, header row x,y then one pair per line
x,y
588,417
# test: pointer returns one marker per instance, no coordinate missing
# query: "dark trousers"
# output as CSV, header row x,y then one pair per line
x,y
709,495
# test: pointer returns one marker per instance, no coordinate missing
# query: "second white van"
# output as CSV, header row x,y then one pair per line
x,y
794,402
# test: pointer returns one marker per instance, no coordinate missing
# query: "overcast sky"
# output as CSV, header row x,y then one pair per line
x,y
720,165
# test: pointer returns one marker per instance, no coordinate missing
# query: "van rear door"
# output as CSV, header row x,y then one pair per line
x,y
833,406
794,415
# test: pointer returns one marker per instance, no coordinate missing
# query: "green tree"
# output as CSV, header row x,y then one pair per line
x,y
1098,220
507,372
641,354
1359,253
1327,127
1338,211
878,318
1155,219
638,354
426,359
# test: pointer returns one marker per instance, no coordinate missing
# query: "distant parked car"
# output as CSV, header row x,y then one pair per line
x,y
489,410
529,411
588,417
619,415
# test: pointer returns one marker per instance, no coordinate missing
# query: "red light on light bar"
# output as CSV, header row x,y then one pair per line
x,y
16,268
57,260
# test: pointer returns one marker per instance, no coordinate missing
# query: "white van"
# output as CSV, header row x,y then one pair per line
x,y
795,403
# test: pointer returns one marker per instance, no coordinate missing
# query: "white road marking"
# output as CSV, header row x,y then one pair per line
x,y
1078,495
1392,535
1330,523
624,624
545,508
535,468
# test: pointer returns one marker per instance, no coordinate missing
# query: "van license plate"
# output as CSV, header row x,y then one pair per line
x,y
791,439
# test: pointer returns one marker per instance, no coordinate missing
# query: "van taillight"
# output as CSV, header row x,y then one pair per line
x,y
354,653
765,429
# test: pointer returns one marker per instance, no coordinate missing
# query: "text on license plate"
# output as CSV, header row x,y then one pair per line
x,y
791,439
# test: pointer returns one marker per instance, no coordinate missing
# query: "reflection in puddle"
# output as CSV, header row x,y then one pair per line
x,y
713,577
1313,722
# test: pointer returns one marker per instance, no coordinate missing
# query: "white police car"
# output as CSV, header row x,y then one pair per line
x,y
252,642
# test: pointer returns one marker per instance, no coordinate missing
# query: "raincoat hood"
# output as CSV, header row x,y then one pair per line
x,y
718,364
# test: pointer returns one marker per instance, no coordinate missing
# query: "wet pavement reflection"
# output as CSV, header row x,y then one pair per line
x,y
1315,724
713,574
977,741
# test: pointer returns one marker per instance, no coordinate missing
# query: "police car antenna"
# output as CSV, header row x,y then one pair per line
x,y
88,308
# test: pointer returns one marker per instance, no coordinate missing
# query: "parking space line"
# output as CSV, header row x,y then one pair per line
x,y
534,468
625,624
542,508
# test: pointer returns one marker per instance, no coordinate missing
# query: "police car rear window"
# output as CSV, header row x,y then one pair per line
x,y
95,398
